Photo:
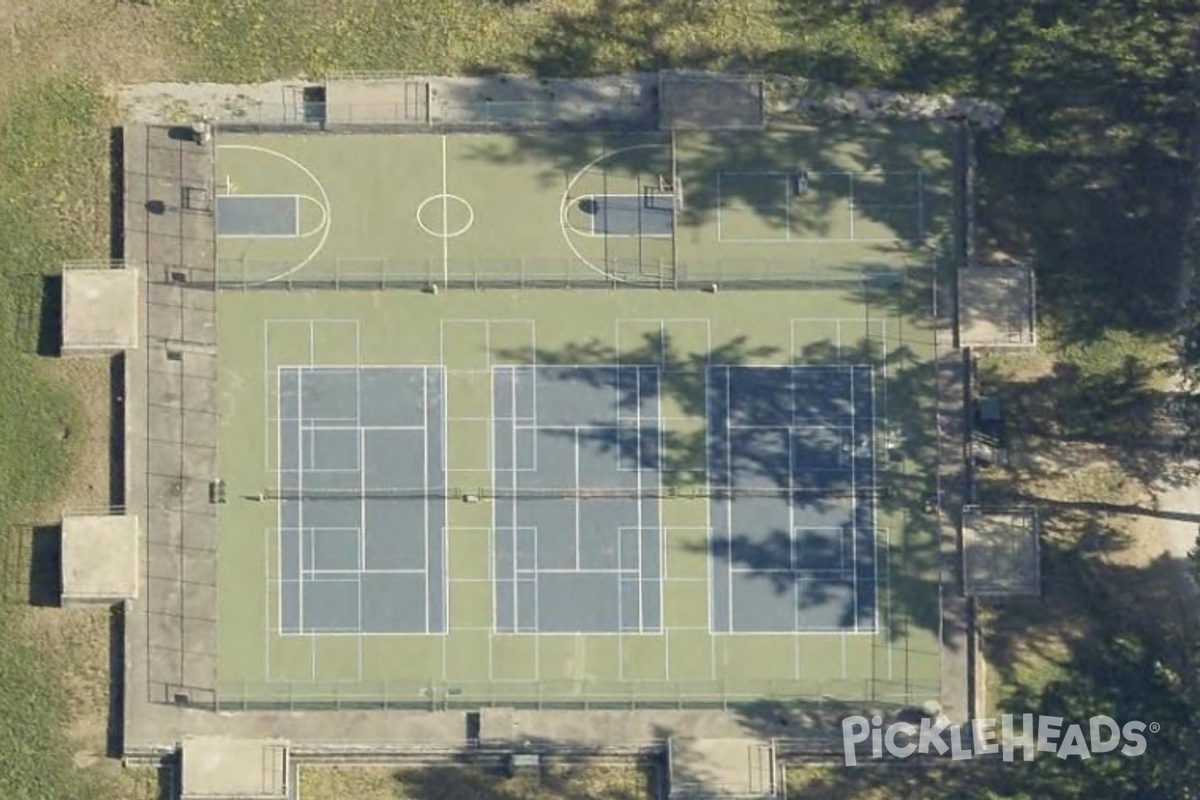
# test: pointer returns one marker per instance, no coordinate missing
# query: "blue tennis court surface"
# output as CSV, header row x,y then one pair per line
x,y
577,564
576,499
361,537
793,537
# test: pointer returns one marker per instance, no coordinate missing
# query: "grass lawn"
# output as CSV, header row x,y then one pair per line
x,y
54,415
451,783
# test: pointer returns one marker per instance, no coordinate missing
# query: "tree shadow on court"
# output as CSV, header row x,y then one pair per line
x,y
759,175
802,473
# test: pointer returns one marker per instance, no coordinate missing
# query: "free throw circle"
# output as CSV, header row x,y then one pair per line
x,y
445,216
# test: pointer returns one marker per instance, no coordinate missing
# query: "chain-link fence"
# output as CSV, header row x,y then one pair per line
x,y
550,694
254,274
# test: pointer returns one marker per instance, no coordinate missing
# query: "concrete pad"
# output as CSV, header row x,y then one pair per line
x,y
721,768
377,102
709,101
99,310
1000,552
99,558
997,307
217,766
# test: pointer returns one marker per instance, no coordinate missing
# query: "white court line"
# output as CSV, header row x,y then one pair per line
x,y
565,571
854,502
729,503
662,536
268,414
820,173
792,427
362,485
637,399
565,427
425,473
532,368
884,368
887,532
346,632
808,240
806,632
711,568
492,548
300,504
564,204
787,208
358,591
620,614
842,639
797,672
874,510
365,571
352,428
920,206
662,345
537,620
516,597
791,505
278,503
556,634
578,502
324,202
720,205
359,639
799,573
526,465
445,216
445,456
852,208
267,597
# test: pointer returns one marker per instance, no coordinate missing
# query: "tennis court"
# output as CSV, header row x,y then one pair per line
x,y
353,560
555,496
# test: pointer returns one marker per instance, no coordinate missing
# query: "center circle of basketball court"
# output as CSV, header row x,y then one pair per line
x,y
445,216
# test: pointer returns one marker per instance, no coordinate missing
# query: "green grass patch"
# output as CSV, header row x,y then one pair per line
x,y
52,162
260,39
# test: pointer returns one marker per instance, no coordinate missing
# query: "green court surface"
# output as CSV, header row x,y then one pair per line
x,y
499,210
521,208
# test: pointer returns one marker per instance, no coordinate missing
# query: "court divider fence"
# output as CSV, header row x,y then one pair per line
x,y
381,274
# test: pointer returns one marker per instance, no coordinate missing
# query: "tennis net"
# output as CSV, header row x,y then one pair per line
x,y
796,494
